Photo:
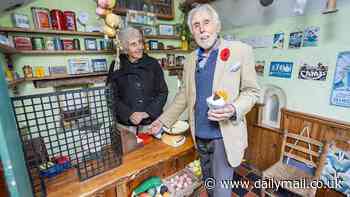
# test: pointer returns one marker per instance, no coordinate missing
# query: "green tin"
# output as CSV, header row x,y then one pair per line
x,y
38,43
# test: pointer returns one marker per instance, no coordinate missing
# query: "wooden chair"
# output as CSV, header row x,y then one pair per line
x,y
294,148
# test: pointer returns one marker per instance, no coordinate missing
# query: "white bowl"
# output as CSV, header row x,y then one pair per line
x,y
178,128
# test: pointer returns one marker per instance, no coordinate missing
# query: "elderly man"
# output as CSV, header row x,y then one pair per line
x,y
139,89
220,135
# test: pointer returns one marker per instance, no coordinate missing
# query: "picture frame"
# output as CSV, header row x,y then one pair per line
x,y
79,66
20,20
41,18
90,44
99,65
153,44
166,30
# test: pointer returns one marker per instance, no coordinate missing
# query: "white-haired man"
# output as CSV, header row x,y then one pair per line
x,y
220,135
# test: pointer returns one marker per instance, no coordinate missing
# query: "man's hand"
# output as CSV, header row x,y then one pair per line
x,y
224,113
155,126
137,117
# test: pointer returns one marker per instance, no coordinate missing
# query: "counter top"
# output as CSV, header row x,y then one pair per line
x,y
134,163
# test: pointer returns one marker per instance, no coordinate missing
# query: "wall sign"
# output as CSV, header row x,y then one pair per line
x,y
281,69
313,72
340,95
295,39
311,36
259,67
278,41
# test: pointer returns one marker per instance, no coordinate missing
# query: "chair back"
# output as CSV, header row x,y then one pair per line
x,y
301,151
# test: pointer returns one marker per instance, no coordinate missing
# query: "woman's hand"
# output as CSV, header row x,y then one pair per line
x,y
155,127
137,117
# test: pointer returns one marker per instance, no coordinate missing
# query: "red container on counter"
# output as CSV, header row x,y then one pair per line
x,y
58,20
70,20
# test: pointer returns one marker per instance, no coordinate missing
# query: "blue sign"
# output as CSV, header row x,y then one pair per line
x,y
281,69
341,83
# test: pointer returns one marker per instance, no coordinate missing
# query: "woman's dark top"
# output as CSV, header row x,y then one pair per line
x,y
138,87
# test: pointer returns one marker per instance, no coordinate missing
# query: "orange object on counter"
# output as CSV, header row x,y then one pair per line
x,y
145,138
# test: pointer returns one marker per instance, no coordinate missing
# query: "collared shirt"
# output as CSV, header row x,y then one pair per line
x,y
202,57
204,77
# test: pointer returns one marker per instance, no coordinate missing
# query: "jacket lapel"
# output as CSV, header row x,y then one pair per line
x,y
219,68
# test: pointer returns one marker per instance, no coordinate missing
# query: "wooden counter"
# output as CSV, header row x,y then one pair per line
x,y
154,159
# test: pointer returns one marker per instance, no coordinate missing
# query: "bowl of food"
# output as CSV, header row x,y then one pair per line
x,y
218,99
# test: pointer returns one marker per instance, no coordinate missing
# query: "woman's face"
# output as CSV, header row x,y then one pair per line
x,y
135,48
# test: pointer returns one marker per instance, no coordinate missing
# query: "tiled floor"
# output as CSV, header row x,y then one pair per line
x,y
250,174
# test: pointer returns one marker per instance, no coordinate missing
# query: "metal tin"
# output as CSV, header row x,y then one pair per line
x,y
57,44
67,44
49,44
103,44
38,43
70,20
76,44
57,19
27,71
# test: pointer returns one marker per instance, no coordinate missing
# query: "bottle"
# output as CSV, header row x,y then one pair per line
x,y
184,43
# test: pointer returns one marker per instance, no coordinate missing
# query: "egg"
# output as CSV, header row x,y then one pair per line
x,y
112,20
109,31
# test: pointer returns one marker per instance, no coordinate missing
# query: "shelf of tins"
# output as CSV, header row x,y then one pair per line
x,y
76,33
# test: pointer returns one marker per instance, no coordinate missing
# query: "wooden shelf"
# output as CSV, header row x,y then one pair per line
x,y
122,11
62,52
49,31
14,83
7,49
66,76
174,67
163,37
168,51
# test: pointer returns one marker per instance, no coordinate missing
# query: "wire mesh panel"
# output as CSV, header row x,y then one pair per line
x,y
65,132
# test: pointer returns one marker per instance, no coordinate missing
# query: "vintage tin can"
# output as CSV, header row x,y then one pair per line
x,y
27,71
49,44
103,44
38,43
57,19
67,44
76,44
57,44
70,20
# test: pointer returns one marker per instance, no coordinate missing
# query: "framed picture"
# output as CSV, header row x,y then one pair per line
x,y
99,65
20,20
79,66
41,17
90,44
153,44
166,30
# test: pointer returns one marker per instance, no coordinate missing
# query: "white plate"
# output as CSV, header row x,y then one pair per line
x,y
178,128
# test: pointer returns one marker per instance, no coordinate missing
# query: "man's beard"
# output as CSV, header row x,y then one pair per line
x,y
205,40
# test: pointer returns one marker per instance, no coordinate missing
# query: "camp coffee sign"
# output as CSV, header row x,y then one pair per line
x,y
313,72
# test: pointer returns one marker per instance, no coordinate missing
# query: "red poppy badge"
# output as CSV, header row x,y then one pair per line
x,y
225,54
